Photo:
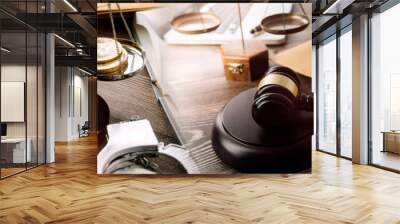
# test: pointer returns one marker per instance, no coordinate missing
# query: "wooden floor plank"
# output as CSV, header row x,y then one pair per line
x,y
69,191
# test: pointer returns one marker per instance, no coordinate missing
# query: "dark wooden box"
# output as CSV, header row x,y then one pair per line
x,y
248,64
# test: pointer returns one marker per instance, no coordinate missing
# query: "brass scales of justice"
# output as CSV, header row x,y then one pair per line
x,y
118,58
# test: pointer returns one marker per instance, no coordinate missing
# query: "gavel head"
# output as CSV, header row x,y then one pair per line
x,y
276,99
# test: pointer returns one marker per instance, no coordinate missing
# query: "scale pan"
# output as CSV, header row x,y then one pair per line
x,y
134,65
284,23
195,23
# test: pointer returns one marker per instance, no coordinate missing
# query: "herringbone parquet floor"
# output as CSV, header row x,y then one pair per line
x,y
69,191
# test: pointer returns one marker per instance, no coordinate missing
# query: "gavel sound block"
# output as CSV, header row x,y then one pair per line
x,y
267,129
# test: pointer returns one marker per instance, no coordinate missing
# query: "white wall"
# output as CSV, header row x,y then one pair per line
x,y
13,73
16,73
82,82
13,101
33,126
80,94
70,83
61,103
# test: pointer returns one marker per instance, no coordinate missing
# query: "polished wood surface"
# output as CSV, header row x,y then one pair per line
x,y
134,98
69,191
7,171
195,103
